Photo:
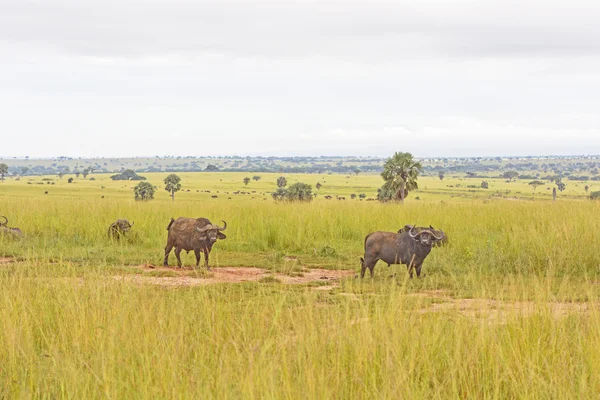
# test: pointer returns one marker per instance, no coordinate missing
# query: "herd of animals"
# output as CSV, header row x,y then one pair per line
x,y
409,246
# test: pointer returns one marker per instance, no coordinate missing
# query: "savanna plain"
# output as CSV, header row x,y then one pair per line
x,y
509,308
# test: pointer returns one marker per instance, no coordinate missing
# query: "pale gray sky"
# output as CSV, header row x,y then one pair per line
x,y
304,77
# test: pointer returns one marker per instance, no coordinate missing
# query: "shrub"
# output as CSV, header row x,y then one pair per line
x,y
298,191
144,191
595,195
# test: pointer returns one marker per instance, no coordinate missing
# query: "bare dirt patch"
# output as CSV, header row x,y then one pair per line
x,y
188,277
499,311
6,260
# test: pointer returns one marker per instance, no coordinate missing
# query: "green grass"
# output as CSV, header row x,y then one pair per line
x,y
69,329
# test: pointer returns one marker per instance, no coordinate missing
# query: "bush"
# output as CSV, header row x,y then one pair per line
x,y
595,195
298,191
144,191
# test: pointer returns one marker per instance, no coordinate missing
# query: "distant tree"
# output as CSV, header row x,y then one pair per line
x,y
471,174
400,173
246,181
441,175
535,184
24,170
70,180
172,185
85,173
561,186
61,174
211,168
256,178
357,171
318,185
279,194
587,187
362,196
3,170
128,175
510,175
485,185
281,182
77,173
144,191
353,196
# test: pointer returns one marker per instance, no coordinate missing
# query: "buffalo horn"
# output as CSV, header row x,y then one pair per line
x,y
411,234
224,226
436,237
206,228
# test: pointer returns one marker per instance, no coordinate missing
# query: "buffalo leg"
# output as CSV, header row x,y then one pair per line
x,y
197,253
368,262
167,251
418,268
206,252
178,255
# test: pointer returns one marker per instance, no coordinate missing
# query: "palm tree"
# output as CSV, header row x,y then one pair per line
x,y
400,173
172,185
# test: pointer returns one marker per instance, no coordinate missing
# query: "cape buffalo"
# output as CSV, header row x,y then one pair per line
x,y
408,248
119,228
5,230
192,234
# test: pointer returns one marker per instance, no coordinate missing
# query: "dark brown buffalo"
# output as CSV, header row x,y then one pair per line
x,y
197,234
408,248
119,228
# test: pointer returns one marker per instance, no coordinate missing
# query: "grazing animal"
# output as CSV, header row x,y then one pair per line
x,y
408,248
119,228
192,234
6,230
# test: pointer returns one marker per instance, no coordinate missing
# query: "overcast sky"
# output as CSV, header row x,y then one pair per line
x,y
305,77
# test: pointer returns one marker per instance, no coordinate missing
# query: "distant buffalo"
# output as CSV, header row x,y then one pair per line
x,y
192,234
119,228
408,248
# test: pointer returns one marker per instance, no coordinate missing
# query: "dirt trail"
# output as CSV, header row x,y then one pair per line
x,y
6,260
498,311
186,277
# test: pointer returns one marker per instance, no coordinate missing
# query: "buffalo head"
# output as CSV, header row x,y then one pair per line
x,y
425,237
213,232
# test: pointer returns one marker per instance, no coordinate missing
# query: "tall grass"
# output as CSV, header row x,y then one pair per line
x,y
69,329
96,337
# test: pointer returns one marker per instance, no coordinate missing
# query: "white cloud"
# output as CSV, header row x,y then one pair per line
x,y
299,77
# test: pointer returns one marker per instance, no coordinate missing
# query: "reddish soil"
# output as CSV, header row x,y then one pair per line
x,y
6,260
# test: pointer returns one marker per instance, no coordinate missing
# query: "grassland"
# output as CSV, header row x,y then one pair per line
x,y
509,309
